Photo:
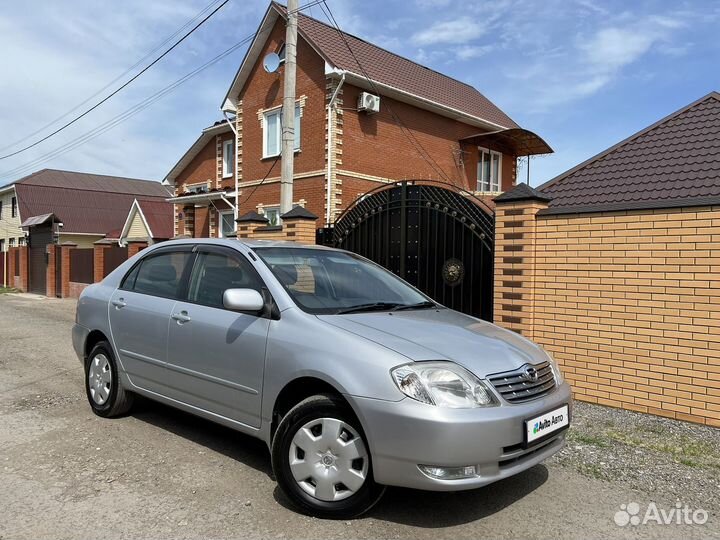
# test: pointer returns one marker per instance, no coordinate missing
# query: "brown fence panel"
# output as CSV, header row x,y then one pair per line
x,y
16,270
114,257
58,272
81,265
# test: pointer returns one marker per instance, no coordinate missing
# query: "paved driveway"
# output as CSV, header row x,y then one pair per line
x,y
163,474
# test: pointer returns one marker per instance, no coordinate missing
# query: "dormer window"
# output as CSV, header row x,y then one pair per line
x,y
281,53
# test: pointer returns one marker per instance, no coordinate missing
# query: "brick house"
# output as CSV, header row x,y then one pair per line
x,y
342,152
614,267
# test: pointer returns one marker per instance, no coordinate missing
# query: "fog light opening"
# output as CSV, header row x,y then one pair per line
x,y
449,473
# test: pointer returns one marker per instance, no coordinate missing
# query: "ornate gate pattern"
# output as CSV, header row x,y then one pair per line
x,y
436,237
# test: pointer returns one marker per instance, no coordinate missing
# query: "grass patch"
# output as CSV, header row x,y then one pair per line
x,y
592,440
5,290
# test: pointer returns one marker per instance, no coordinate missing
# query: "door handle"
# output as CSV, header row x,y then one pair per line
x,y
119,303
181,317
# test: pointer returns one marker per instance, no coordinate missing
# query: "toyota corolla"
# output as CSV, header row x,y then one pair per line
x,y
354,379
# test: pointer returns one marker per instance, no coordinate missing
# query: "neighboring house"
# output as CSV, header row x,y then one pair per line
x,y
64,207
616,268
342,151
79,207
11,234
149,221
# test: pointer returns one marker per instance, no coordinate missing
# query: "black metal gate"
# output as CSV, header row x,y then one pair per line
x,y
40,236
436,237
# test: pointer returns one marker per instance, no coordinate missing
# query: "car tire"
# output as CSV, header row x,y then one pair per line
x,y
104,390
321,459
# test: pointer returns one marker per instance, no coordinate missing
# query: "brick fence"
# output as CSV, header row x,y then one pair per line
x,y
627,302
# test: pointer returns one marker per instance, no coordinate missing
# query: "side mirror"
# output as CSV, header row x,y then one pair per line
x,y
243,300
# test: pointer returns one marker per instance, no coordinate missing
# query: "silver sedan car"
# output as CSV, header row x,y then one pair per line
x,y
354,379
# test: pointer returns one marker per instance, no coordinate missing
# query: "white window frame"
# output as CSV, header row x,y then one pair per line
x,y
272,208
11,243
278,111
220,222
493,184
197,189
228,158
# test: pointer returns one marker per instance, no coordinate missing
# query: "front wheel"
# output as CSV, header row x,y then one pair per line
x,y
322,461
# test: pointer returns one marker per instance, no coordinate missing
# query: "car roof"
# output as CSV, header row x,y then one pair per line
x,y
250,244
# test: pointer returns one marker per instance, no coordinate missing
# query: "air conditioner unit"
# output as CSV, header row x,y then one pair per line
x,y
370,103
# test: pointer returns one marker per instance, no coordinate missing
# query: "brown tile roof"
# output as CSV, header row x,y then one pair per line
x,y
387,68
674,162
85,203
160,217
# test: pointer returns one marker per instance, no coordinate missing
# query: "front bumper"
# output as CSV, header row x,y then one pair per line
x,y
407,433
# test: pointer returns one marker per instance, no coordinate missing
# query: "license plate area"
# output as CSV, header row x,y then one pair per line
x,y
546,425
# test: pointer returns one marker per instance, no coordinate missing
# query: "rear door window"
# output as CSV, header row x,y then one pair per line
x,y
159,275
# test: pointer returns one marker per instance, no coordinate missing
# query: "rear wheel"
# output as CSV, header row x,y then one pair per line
x,y
104,391
322,461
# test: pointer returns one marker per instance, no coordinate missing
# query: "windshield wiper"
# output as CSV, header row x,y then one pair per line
x,y
374,306
420,305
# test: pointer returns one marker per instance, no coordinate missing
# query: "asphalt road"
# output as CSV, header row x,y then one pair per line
x,y
158,473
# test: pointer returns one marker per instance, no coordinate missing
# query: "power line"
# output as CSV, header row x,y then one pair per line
x,y
124,85
123,74
99,130
403,128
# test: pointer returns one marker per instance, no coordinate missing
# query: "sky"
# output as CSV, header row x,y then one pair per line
x,y
583,74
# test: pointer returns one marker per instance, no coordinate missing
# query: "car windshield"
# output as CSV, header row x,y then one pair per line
x,y
335,282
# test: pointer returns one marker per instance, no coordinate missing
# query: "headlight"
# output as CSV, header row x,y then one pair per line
x,y
444,384
556,369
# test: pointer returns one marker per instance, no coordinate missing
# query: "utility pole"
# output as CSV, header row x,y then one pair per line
x,y
288,110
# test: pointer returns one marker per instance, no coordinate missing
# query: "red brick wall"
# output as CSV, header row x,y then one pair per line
x,y
265,90
200,169
377,145
312,190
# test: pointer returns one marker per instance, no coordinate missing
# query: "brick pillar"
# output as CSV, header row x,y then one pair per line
x,y
11,267
99,249
24,281
247,223
299,225
515,258
65,249
135,247
50,271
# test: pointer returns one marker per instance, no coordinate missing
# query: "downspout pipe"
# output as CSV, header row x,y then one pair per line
x,y
330,152
236,206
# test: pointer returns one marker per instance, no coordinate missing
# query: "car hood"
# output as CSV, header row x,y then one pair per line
x,y
430,334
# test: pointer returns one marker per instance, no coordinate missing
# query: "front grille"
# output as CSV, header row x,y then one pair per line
x,y
518,386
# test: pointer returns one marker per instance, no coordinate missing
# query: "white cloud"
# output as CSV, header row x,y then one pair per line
x,y
468,52
459,30
432,4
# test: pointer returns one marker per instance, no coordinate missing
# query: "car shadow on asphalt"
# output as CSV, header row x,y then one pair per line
x,y
228,442
435,510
